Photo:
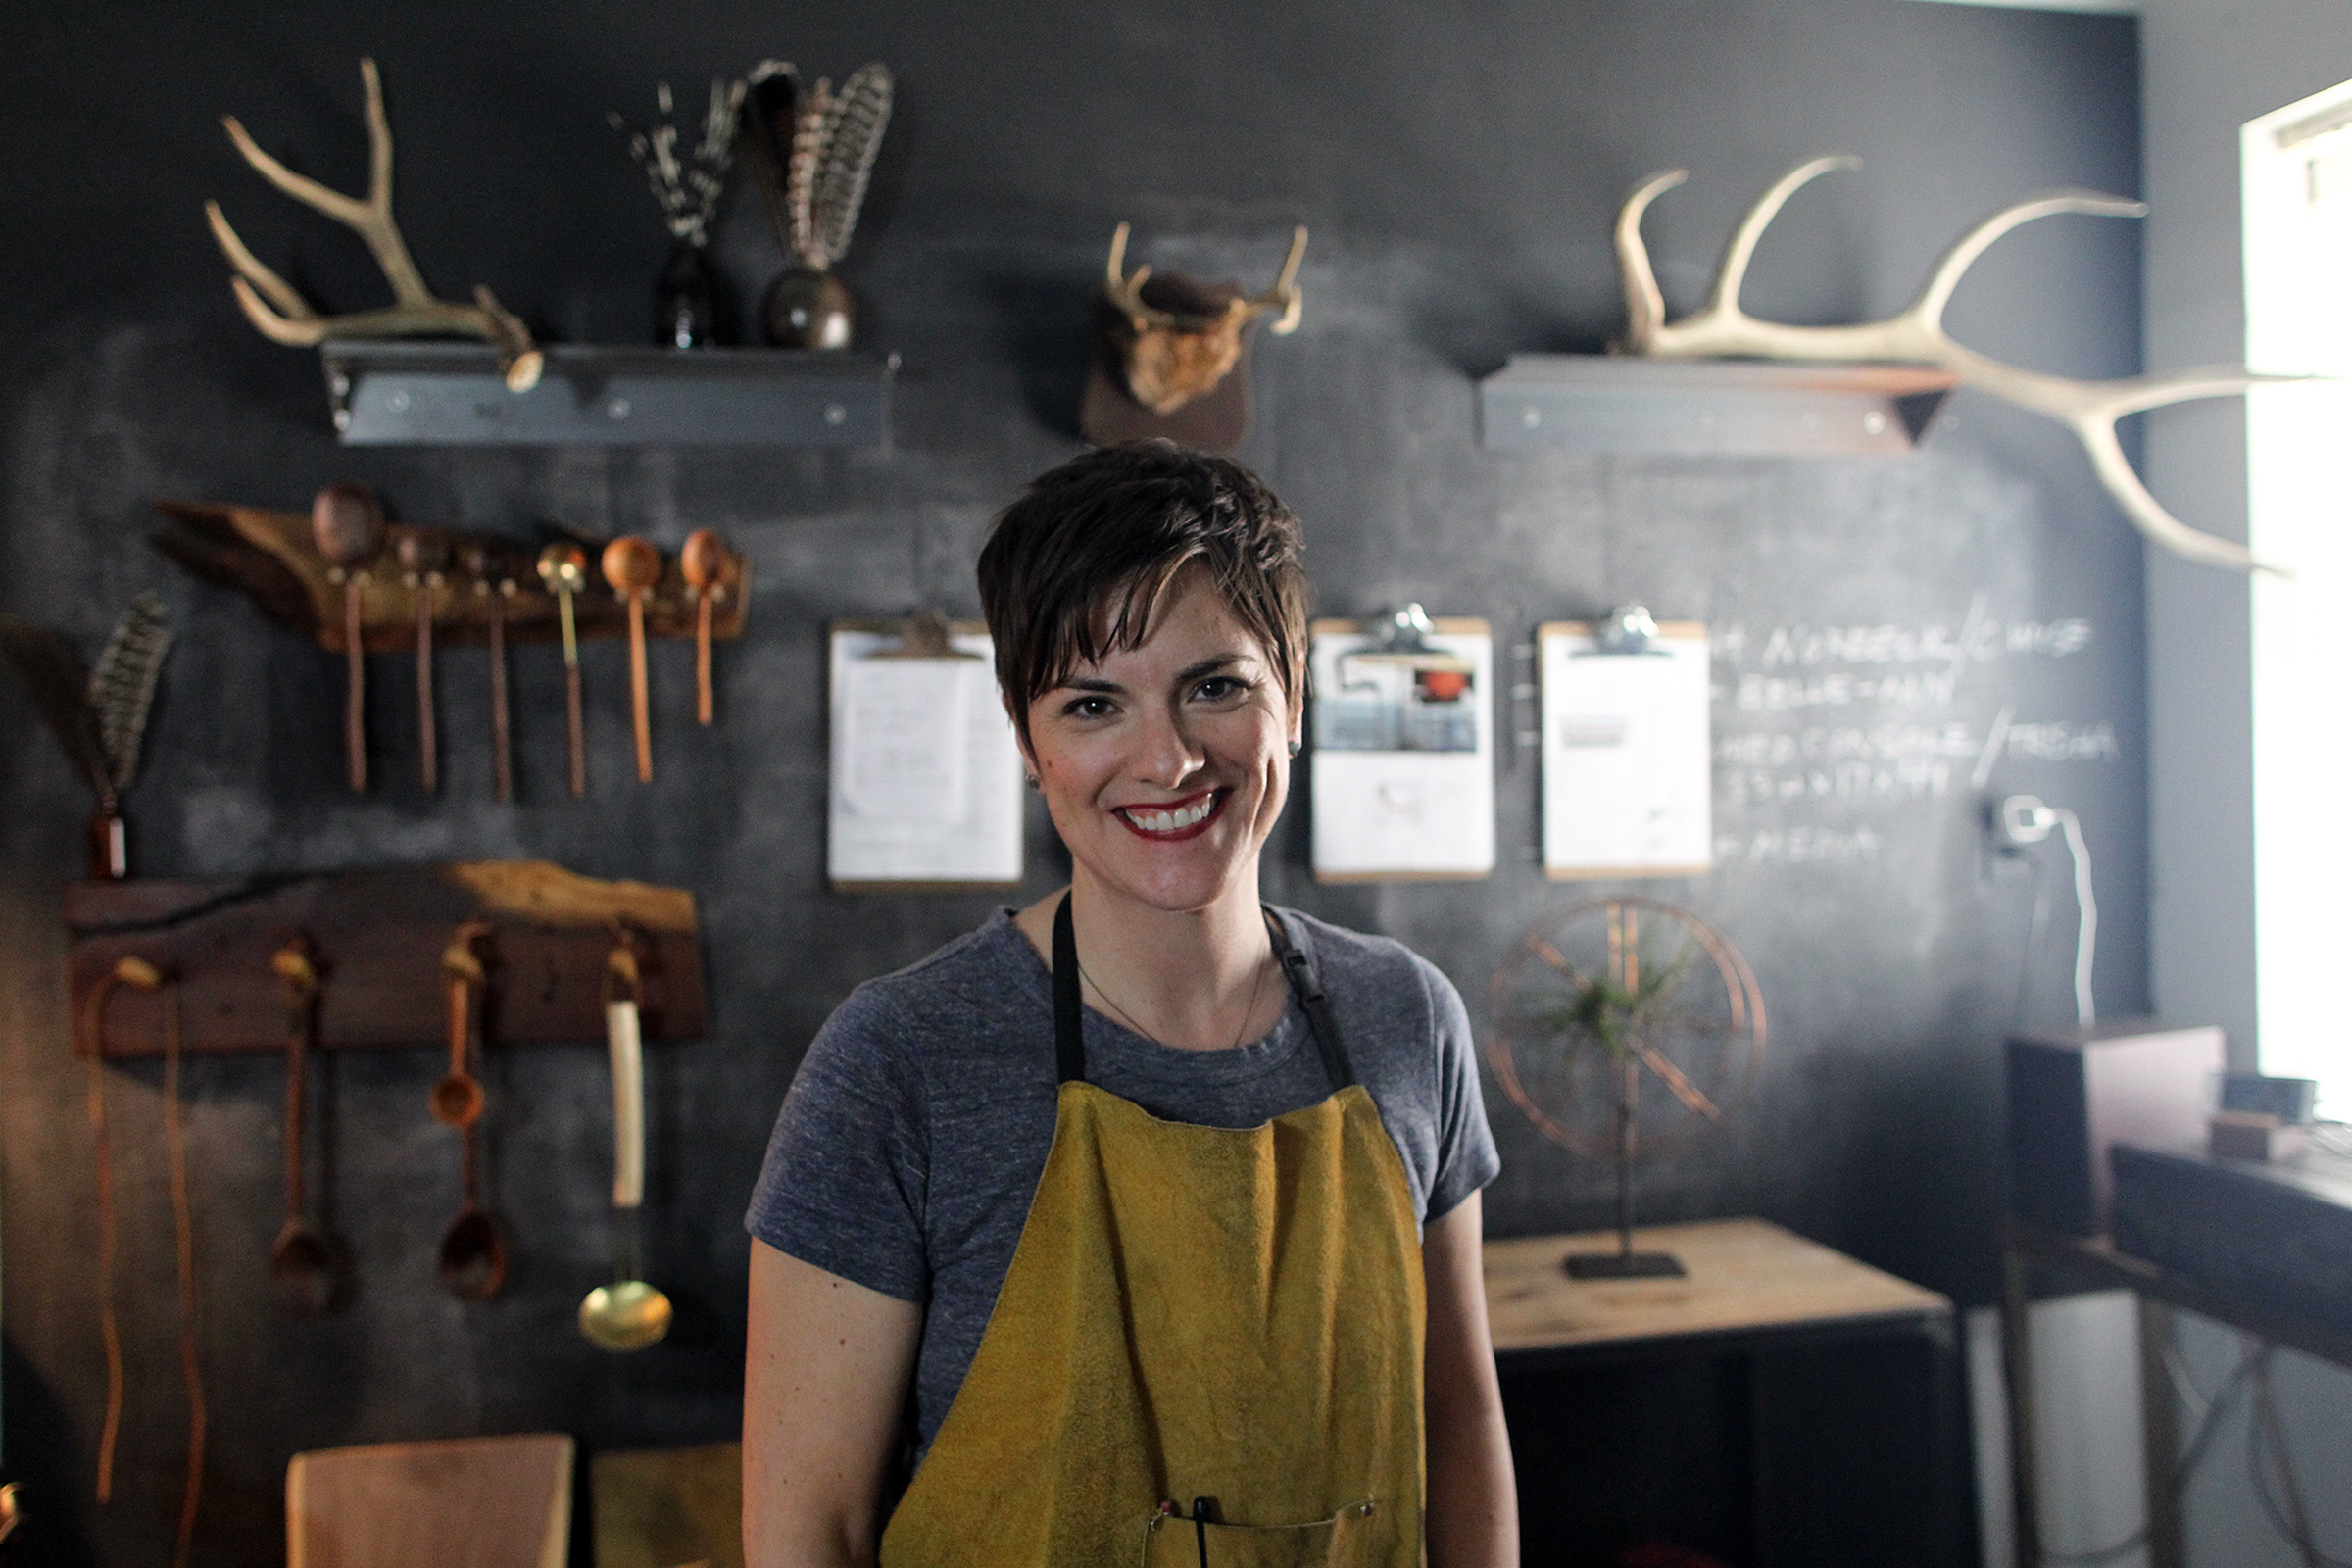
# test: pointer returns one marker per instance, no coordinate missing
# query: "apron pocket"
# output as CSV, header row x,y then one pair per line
x,y
1343,1541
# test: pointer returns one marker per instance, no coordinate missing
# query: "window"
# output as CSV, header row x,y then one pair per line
x,y
2297,172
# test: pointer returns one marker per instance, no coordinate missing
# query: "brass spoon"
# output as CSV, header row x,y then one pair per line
x,y
347,524
632,567
627,1314
703,561
302,1268
472,1261
494,578
565,571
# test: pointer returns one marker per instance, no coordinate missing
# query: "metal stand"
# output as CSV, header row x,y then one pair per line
x,y
1624,1263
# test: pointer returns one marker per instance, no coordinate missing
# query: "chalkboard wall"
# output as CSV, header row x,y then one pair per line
x,y
1898,639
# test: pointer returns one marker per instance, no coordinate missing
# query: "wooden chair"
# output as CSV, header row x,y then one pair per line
x,y
465,1502
666,1507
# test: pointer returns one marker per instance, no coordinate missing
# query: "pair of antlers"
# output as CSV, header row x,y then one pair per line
x,y
283,316
1915,335
1125,292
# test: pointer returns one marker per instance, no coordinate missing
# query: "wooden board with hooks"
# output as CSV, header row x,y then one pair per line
x,y
379,937
270,558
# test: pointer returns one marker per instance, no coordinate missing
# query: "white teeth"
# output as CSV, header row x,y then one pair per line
x,y
1172,821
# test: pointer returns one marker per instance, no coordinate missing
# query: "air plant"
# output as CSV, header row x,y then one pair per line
x,y
99,716
689,186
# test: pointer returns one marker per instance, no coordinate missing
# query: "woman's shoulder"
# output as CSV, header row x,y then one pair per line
x,y
1360,969
982,978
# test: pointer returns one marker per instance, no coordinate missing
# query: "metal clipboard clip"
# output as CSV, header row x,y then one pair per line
x,y
1629,632
924,636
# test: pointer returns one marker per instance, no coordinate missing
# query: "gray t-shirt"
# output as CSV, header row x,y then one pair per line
x,y
911,1145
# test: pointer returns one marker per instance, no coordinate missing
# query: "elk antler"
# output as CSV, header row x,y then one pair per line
x,y
282,315
1915,335
1125,292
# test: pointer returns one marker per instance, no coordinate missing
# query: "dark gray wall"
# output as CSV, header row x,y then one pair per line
x,y
1459,170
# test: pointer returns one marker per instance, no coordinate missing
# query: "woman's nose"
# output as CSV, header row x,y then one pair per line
x,y
1168,755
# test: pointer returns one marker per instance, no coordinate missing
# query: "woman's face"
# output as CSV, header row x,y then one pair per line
x,y
1165,764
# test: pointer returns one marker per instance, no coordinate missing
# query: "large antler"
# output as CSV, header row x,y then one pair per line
x,y
1915,335
1126,290
282,315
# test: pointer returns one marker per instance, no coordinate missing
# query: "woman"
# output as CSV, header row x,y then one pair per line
x,y
1162,1204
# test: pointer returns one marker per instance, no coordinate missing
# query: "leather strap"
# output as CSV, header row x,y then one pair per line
x,y
1069,1034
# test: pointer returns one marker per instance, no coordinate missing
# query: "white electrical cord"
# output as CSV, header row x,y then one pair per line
x,y
2025,820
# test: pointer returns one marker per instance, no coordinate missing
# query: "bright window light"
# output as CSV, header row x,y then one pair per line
x,y
2297,170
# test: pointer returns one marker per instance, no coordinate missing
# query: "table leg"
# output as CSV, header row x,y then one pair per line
x,y
2160,1436
2017,1364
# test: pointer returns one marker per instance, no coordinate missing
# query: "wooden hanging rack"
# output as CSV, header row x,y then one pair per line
x,y
270,556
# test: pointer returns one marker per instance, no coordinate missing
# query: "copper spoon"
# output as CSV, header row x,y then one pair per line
x,y
302,1268
632,567
565,571
472,1260
703,561
347,524
494,578
422,554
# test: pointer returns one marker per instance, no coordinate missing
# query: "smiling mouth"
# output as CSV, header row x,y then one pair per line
x,y
1178,820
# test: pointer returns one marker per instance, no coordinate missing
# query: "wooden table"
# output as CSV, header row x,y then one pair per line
x,y
1842,1379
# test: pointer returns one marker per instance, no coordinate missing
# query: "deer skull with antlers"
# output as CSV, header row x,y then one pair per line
x,y
1915,335
1180,348
283,316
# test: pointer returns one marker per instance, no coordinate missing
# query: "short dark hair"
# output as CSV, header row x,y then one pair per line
x,y
1076,567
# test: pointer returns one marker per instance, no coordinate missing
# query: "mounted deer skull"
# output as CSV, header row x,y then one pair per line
x,y
1915,335
282,315
1179,349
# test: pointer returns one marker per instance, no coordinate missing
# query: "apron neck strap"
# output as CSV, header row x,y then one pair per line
x,y
1069,1037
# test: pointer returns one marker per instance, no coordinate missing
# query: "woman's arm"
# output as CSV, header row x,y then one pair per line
x,y
825,1374
1472,1498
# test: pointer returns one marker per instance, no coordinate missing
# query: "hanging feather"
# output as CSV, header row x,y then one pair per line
x,y
51,672
122,686
770,93
855,123
809,131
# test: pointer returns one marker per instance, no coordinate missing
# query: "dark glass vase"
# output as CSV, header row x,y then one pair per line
x,y
686,299
807,308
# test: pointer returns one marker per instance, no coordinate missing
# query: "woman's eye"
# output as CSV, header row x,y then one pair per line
x,y
1088,708
1220,689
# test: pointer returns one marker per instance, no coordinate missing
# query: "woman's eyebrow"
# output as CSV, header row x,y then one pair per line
x,y
1089,683
1209,666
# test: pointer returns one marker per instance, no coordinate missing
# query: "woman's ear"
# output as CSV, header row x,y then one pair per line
x,y
1020,738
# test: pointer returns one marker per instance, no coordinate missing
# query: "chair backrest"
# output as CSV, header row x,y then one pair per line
x,y
665,1507
463,1502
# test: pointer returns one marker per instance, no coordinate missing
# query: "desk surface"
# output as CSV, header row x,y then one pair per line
x,y
1745,1275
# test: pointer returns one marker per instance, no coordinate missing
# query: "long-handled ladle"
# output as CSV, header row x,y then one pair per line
x,y
704,560
302,1267
473,1253
627,1314
424,553
347,524
632,567
494,579
564,569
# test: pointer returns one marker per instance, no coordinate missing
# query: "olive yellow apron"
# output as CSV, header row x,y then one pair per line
x,y
1207,1349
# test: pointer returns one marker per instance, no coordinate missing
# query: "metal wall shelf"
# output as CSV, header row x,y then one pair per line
x,y
1706,408
451,394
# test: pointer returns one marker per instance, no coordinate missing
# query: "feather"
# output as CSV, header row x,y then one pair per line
x,y
46,665
855,123
808,153
122,686
770,94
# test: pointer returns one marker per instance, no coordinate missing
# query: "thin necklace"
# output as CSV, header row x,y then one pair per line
x,y
1256,989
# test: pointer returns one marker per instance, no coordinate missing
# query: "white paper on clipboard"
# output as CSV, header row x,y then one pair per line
x,y
1627,755
1404,767
925,777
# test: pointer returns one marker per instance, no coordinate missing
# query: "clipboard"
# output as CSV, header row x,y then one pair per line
x,y
1626,753
923,775
1403,778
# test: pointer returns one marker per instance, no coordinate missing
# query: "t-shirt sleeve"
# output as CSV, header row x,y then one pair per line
x,y
1466,1156
844,1182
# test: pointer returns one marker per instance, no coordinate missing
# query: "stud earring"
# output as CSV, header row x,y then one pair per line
x,y
1297,747
1029,779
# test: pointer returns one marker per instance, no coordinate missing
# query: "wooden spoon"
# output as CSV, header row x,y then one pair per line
x,y
494,577
564,569
347,523
302,1266
704,560
472,1260
456,1100
424,553
627,1314
632,567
